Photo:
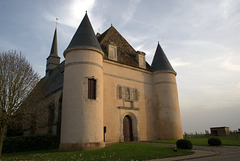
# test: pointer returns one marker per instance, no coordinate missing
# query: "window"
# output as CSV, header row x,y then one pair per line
x,y
135,94
142,62
92,88
50,118
128,94
141,59
112,52
120,92
115,53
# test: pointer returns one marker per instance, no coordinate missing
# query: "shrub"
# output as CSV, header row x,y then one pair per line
x,y
214,142
184,144
29,143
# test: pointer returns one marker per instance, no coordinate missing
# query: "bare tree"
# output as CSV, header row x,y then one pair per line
x,y
17,80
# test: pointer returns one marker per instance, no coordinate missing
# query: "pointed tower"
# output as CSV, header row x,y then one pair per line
x,y
82,109
169,124
53,59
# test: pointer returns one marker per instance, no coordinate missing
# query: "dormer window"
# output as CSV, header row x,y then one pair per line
x,y
112,52
141,59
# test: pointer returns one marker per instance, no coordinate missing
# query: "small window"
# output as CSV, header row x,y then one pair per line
x,y
92,88
135,94
112,52
120,92
141,59
128,94
142,62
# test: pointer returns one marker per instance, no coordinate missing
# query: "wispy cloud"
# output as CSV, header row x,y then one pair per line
x,y
200,38
130,10
177,62
228,63
72,12
75,12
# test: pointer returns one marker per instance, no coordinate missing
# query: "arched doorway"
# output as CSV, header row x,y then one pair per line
x,y
127,128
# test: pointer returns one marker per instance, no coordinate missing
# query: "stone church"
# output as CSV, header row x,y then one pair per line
x,y
105,91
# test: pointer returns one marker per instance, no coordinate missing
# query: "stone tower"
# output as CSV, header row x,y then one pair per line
x,y
166,102
53,59
82,109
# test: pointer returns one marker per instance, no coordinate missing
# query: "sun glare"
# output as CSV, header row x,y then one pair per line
x,y
77,10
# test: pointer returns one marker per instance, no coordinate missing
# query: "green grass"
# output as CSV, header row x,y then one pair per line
x,y
121,151
229,140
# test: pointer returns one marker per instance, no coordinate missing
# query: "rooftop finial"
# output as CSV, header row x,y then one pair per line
x,y
86,12
56,22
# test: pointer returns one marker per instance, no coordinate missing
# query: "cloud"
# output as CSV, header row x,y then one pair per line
x,y
75,12
70,14
130,10
228,62
177,62
200,39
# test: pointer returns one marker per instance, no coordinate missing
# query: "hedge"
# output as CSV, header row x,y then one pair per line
x,y
184,144
29,143
214,142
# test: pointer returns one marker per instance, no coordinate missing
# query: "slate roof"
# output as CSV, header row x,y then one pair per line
x,y
160,61
125,52
84,36
54,81
54,51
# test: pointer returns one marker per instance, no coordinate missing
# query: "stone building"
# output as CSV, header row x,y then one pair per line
x,y
105,91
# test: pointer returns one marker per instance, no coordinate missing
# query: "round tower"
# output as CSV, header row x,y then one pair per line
x,y
82,109
168,123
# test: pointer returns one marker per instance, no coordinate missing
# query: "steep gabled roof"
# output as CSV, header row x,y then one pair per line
x,y
125,52
113,36
84,36
53,82
160,61
54,51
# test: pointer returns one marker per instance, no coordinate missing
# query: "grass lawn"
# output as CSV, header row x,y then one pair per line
x,y
121,151
229,140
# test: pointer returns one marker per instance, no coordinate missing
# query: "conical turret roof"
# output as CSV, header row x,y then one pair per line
x,y
54,50
84,36
160,61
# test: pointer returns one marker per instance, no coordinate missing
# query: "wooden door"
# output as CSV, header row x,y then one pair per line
x,y
127,129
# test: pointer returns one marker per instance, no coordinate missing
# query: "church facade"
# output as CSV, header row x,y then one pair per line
x,y
106,92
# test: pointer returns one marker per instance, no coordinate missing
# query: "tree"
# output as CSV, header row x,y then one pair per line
x,y
17,80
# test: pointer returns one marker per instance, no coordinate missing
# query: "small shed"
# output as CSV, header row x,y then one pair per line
x,y
219,131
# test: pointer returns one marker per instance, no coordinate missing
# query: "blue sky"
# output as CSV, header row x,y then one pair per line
x,y
200,38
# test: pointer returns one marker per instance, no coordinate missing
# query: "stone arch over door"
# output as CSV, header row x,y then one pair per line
x,y
130,119
127,128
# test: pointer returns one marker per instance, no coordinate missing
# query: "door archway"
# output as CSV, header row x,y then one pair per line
x,y
127,128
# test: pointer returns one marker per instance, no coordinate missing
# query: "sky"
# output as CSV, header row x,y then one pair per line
x,y
201,39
